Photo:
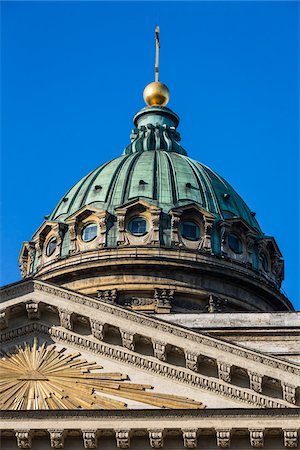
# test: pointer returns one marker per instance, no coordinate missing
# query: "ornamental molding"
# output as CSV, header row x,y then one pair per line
x,y
169,328
142,362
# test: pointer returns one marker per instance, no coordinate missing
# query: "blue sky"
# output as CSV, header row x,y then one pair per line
x,y
72,79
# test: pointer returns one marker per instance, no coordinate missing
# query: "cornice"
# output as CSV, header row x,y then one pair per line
x,y
141,362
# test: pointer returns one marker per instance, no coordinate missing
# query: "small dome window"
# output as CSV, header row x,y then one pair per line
x,y
51,246
190,230
89,233
235,244
138,226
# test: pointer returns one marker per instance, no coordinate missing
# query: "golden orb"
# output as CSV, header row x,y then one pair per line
x,y
156,94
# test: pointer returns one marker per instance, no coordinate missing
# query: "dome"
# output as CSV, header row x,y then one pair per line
x,y
157,231
166,177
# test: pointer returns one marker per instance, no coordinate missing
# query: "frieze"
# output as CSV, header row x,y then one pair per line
x,y
90,439
189,438
24,438
290,438
156,438
172,329
289,393
57,438
179,374
224,371
223,438
3,319
33,310
256,438
123,438
255,380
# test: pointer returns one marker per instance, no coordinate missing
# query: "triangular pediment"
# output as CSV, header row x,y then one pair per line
x,y
167,357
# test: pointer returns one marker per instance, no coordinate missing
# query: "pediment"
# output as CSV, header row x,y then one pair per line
x,y
148,350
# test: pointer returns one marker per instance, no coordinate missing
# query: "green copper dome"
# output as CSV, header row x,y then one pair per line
x,y
156,168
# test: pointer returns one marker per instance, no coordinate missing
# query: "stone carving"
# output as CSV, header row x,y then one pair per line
x,y
289,392
156,438
57,438
33,310
163,298
215,304
159,350
290,438
255,381
127,339
187,334
208,226
108,296
175,220
223,438
97,329
154,233
24,438
66,319
256,438
224,371
123,438
139,361
90,439
3,319
191,361
189,438
74,247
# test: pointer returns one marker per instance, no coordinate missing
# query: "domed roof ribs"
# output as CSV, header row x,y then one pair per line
x,y
89,187
208,190
172,180
120,173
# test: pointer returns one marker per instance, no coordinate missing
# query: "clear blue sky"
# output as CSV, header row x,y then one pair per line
x,y
73,76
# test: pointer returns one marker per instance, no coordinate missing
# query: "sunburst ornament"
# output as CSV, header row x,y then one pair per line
x,y
43,377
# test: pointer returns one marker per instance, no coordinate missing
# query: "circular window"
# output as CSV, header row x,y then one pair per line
x,y
265,263
190,230
235,243
138,226
89,232
51,246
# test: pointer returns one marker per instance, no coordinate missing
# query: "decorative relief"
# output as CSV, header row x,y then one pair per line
x,y
215,304
57,438
159,350
189,438
224,371
66,319
156,438
90,439
289,393
97,329
127,339
163,298
198,381
256,438
39,377
123,438
24,438
33,310
196,338
3,319
191,361
223,438
255,381
108,296
290,438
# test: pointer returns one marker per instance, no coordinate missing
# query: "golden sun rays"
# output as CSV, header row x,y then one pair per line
x,y
42,377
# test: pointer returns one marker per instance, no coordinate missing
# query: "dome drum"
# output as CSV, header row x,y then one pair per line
x,y
199,237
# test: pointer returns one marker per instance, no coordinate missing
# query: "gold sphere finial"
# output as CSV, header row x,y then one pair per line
x,y
156,94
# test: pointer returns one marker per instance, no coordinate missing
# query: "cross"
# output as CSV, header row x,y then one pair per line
x,y
157,45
